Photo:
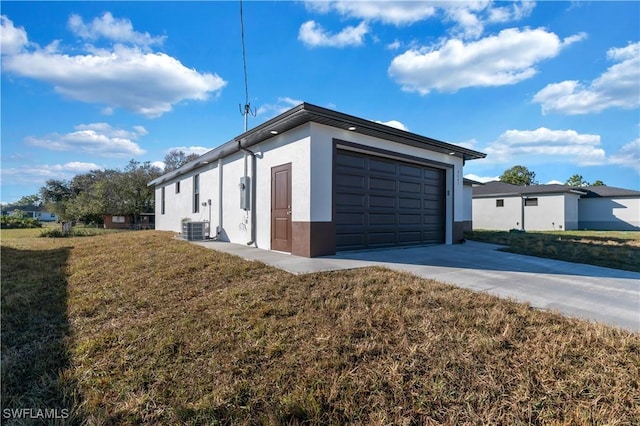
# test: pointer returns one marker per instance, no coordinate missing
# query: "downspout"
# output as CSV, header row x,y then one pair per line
x,y
522,198
253,191
219,230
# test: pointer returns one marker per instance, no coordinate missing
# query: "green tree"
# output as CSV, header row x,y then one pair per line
x,y
28,200
598,183
519,175
176,159
55,195
576,181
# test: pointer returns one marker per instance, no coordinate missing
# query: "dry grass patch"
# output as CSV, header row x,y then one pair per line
x,y
163,331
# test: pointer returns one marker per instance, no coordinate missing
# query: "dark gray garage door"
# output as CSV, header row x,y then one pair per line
x,y
385,203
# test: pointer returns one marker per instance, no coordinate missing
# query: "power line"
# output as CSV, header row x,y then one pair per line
x,y
247,106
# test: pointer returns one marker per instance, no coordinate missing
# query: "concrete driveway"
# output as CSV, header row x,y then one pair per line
x,y
590,292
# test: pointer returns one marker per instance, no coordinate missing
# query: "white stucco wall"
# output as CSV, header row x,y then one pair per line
x,y
467,201
179,206
487,216
548,215
553,212
609,213
571,211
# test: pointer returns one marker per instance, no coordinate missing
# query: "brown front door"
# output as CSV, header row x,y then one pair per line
x,y
281,208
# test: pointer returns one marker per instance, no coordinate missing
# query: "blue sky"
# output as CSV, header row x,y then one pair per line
x,y
553,86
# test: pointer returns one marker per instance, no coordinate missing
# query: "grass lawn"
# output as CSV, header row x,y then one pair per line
x,y
139,327
611,249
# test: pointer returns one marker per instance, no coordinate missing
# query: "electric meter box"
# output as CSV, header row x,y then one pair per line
x,y
245,193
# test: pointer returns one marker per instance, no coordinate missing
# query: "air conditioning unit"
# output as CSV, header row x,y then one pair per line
x,y
193,231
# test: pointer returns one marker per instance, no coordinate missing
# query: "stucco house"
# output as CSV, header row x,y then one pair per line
x,y
609,208
31,212
313,181
502,206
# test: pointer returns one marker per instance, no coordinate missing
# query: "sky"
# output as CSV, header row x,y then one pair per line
x,y
553,86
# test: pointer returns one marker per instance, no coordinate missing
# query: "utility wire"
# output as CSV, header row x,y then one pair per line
x,y
247,105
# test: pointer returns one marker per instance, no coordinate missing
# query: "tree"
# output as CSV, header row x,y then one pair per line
x,y
90,195
28,200
176,159
598,183
55,194
576,181
519,175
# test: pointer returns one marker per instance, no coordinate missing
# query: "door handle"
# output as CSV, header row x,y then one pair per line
x,y
289,212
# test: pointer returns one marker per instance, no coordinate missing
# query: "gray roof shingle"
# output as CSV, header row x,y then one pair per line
x,y
496,188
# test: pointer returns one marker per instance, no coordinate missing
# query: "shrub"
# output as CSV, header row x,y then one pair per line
x,y
14,222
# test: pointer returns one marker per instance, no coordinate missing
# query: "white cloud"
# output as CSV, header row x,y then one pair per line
x,y
96,139
396,13
628,155
503,59
127,77
545,145
38,174
312,34
395,45
554,182
483,179
394,123
283,104
12,39
469,16
190,149
106,26
617,87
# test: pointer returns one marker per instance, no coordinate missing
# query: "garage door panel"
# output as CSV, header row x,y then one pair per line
x,y
405,203
351,160
350,200
381,238
409,170
379,184
410,187
383,166
382,203
350,219
345,180
381,219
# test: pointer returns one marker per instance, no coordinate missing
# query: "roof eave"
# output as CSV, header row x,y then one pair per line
x,y
305,113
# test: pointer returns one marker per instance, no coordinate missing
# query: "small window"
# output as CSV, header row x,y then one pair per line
x,y
196,193
162,200
499,203
530,201
178,187
117,219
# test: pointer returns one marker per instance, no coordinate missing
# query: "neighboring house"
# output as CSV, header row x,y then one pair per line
x,y
144,221
112,221
608,208
467,215
32,212
313,181
502,206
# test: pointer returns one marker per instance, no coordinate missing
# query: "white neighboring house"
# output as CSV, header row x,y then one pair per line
x,y
502,206
467,216
609,208
313,181
32,212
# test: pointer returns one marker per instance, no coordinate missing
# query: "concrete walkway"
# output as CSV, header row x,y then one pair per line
x,y
590,292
